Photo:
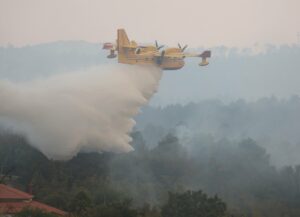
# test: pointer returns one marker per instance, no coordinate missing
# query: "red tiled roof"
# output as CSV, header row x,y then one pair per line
x,y
15,207
13,201
38,205
12,193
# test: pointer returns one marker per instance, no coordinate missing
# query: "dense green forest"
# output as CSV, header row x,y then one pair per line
x,y
206,153
272,122
153,182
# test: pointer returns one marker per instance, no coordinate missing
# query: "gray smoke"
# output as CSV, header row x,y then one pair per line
x,y
86,110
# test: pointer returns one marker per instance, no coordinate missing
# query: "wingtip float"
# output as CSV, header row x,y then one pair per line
x,y
129,52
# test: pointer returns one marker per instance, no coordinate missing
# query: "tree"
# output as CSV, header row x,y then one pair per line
x,y
193,204
80,204
34,213
115,209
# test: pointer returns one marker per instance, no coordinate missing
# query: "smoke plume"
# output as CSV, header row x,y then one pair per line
x,y
86,110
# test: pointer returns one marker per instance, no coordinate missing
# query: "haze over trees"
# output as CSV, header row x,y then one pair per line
x,y
274,123
138,182
217,156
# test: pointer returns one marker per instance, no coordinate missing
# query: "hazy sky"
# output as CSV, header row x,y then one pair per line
x,y
196,22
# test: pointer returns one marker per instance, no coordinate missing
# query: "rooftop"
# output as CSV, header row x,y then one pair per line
x,y
7,193
13,201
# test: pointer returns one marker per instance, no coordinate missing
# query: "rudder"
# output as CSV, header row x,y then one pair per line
x,y
122,39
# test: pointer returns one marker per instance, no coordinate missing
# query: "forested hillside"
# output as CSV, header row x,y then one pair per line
x,y
274,123
196,143
239,173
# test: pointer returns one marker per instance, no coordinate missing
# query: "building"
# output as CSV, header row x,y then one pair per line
x,y
13,201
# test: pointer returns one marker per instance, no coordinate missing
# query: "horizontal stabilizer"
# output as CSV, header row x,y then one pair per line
x,y
108,46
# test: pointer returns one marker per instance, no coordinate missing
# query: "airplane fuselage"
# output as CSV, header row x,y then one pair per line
x,y
149,58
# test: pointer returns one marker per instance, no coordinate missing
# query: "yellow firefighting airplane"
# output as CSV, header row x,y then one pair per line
x,y
132,53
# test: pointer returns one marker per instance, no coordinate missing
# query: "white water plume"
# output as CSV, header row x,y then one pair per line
x,y
85,110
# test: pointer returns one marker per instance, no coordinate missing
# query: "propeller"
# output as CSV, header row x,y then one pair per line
x,y
158,47
160,58
182,48
138,50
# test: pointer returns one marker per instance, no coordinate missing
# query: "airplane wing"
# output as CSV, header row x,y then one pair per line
x,y
205,54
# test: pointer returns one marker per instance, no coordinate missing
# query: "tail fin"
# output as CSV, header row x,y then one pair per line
x,y
125,51
122,39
